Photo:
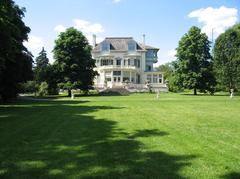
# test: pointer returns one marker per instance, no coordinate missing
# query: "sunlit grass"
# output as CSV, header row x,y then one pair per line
x,y
136,136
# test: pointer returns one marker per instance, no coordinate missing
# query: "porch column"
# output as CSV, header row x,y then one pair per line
x,y
111,76
162,78
130,80
121,76
152,78
103,76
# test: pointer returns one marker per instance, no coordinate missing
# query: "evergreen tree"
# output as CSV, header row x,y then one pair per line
x,y
15,60
73,60
194,63
42,63
227,59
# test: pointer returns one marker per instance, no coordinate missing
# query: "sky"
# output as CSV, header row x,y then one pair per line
x,y
163,22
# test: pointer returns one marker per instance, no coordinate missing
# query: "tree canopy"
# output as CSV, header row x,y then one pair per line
x,y
73,59
15,60
194,62
227,58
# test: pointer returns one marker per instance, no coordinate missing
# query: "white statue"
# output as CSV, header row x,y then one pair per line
x,y
231,93
72,94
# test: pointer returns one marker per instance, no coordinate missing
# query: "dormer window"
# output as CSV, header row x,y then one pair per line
x,y
105,46
131,46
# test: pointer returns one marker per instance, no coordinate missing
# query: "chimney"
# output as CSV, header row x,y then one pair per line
x,y
94,40
144,41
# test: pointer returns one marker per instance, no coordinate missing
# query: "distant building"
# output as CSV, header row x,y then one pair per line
x,y
123,62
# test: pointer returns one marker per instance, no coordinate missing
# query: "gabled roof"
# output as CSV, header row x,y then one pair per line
x,y
120,44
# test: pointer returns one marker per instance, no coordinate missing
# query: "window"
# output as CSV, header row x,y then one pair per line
x,y
149,78
125,62
151,54
155,78
108,79
131,46
149,68
106,62
105,46
118,61
116,73
130,62
160,78
137,63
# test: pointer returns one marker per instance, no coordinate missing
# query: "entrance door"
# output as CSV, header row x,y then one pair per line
x,y
138,79
117,79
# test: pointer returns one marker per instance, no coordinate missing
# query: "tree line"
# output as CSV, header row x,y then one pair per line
x,y
197,69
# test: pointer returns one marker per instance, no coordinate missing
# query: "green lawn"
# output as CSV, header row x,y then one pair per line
x,y
136,136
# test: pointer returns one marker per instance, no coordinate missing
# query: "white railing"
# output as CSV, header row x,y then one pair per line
x,y
132,85
117,67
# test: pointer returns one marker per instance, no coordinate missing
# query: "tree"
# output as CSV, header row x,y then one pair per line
x,y
73,60
194,62
30,87
52,78
15,60
227,59
170,76
42,63
43,89
167,69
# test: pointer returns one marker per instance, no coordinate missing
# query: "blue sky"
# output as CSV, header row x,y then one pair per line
x,y
163,21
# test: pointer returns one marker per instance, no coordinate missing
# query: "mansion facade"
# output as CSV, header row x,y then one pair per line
x,y
123,62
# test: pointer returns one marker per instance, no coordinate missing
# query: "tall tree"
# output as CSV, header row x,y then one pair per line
x,y
15,60
73,58
227,59
194,62
42,62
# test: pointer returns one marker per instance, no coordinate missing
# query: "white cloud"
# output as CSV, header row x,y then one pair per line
x,y
87,27
171,53
116,1
215,19
60,28
33,42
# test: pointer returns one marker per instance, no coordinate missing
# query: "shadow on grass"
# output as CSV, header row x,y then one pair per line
x,y
233,175
186,94
63,139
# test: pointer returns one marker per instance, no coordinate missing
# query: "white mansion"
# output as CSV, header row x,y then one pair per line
x,y
121,62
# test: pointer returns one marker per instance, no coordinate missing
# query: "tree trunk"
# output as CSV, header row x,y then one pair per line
x,y
195,91
69,93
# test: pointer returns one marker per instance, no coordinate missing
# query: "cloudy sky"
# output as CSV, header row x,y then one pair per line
x,y
163,21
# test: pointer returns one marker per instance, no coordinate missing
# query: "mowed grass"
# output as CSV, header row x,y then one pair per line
x,y
136,136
